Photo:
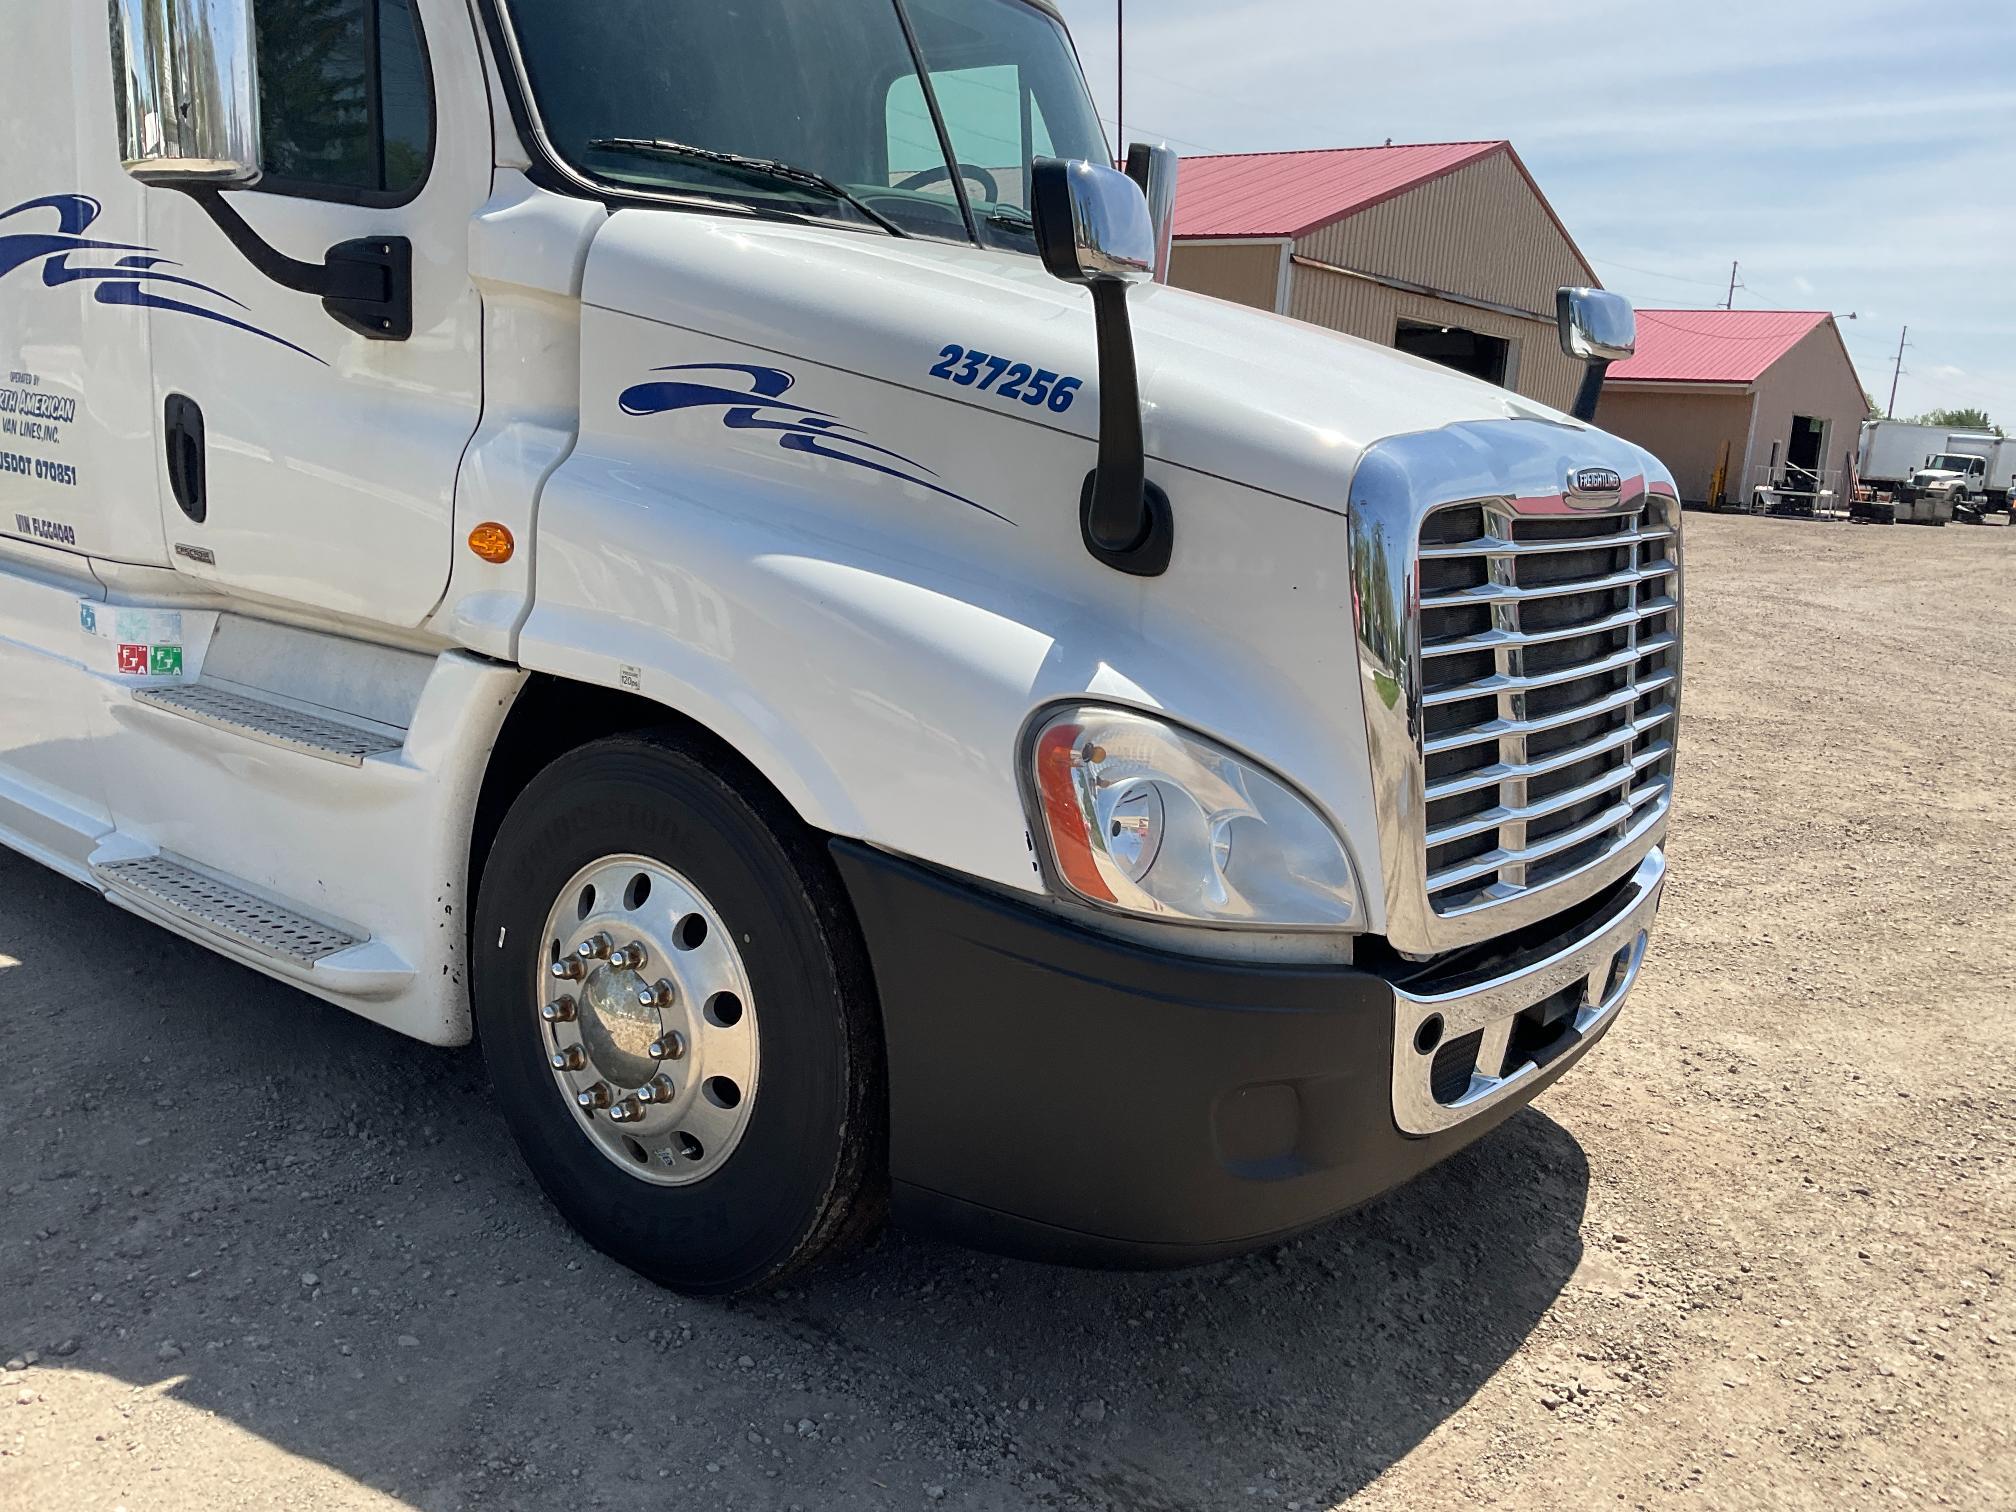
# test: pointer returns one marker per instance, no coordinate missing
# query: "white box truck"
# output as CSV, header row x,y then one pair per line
x,y
686,547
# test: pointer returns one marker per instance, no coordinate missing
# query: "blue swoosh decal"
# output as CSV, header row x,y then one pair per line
x,y
800,427
131,281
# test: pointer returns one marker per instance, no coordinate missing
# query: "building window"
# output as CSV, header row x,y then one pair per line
x,y
344,99
1481,356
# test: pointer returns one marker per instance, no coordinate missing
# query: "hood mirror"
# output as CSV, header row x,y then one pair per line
x,y
1597,329
186,91
1093,227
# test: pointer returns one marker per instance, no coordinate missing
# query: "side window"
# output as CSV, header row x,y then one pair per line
x,y
995,126
345,103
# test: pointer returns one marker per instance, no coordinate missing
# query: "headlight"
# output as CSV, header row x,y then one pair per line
x,y
1141,816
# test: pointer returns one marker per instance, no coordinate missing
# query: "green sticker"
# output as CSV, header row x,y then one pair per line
x,y
165,661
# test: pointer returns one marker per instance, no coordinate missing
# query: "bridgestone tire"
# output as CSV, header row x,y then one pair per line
x,y
808,1175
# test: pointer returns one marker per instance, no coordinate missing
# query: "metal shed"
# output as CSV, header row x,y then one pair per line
x,y
1447,250
1731,400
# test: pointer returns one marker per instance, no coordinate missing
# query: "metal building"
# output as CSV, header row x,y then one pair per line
x,y
1734,400
1447,250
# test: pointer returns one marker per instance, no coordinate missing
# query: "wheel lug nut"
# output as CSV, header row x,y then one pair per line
x,y
597,1096
568,969
671,1047
660,994
595,948
560,1011
630,958
629,1110
658,1090
570,1059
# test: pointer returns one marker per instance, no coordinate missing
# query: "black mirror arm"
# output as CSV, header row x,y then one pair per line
x,y
366,284
1591,390
1126,520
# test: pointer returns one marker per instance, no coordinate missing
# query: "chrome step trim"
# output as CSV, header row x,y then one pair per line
x,y
217,908
271,723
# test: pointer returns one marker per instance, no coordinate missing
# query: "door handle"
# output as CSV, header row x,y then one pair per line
x,y
182,432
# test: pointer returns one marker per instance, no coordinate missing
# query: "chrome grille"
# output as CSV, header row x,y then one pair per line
x,y
1548,678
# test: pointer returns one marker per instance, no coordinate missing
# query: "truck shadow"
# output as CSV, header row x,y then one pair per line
x,y
269,1210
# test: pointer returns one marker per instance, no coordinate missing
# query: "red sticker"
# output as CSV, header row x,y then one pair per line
x,y
133,661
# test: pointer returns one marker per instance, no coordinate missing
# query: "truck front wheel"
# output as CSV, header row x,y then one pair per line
x,y
678,1018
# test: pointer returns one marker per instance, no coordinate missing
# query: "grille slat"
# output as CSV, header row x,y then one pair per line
x,y
1511,593
1486,686
1495,639
1498,546
1548,647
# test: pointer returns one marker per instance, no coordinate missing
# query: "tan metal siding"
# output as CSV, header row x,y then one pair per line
x,y
1686,430
1243,273
1814,378
1479,231
1362,308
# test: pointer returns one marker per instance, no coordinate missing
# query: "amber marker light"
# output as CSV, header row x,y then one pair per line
x,y
492,542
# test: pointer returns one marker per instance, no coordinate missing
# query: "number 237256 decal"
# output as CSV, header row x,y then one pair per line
x,y
1035,387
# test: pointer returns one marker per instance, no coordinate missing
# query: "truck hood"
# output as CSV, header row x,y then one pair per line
x,y
1255,398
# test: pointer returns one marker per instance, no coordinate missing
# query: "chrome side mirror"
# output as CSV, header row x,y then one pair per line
x,y
1596,325
1092,223
1597,328
186,91
1093,228
1155,170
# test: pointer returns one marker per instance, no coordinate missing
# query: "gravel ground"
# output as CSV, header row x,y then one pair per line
x,y
1755,1251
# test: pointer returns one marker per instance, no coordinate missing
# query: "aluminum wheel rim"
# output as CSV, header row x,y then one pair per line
x,y
647,1020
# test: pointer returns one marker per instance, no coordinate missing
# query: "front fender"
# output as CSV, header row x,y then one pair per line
x,y
875,647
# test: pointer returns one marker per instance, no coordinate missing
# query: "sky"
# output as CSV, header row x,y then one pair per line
x,y
1852,155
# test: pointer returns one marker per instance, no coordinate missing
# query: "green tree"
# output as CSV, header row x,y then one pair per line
x,y
1959,419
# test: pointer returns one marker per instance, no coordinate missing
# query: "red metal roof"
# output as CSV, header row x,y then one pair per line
x,y
1292,193
1713,346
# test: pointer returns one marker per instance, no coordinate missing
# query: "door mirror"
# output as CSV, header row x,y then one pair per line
x,y
1596,325
1092,223
1155,170
186,86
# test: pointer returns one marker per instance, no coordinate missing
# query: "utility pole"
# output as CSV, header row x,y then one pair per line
x,y
1891,413
1120,79
1730,304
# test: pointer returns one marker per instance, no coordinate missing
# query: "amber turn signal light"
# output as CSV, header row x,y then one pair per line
x,y
492,542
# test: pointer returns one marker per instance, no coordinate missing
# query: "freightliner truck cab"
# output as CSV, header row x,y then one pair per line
x,y
688,546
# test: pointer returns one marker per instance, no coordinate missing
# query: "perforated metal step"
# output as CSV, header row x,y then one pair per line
x,y
271,723
224,910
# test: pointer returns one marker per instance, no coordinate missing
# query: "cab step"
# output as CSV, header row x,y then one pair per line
x,y
216,908
262,718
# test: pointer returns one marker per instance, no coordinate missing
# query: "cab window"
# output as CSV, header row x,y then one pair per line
x,y
995,124
345,102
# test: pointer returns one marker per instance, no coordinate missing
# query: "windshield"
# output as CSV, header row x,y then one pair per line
x,y
1952,464
830,87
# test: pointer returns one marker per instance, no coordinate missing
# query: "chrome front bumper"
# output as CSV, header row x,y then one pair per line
x,y
1597,973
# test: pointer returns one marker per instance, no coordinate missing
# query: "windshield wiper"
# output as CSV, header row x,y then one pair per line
x,y
1011,218
768,168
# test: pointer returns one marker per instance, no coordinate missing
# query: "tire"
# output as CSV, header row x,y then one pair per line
x,y
804,1175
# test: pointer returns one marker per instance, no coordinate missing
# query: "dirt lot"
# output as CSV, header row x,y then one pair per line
x,y
1754,1253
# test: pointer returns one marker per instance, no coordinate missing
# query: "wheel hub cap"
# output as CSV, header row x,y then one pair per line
x,y
647,1018
617,1030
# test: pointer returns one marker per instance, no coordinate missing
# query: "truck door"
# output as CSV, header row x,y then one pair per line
x,y
304,461
77,466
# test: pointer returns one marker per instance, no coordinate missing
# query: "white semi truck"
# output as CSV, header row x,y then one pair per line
x,y
686,546
1934,474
